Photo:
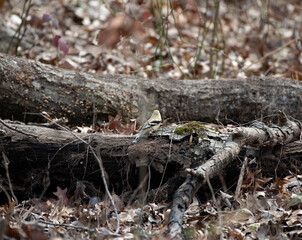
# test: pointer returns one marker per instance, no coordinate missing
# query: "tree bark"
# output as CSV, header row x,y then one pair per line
x,y
30,86
257,135
43,158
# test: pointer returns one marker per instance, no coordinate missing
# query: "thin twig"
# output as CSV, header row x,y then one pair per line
x,y
6,163
242,171
17,34
67,225
269,54
24,18
53,211
164,172
200,45
140,186
215,201
106,187
167,42
149,185
279,160
211,189
214,34
86,160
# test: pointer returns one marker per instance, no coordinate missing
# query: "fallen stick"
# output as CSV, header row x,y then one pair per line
x,y
257,135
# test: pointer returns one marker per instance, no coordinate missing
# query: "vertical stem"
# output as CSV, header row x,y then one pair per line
x,y
17,34
214,34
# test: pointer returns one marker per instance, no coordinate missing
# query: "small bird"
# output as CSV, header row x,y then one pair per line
x,y
150,125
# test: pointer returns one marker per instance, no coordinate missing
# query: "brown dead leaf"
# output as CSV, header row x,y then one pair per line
x,y
79,193
61,194
120,26
41,205
295,72
34,232
118,202
14,232
280,184
130,127
115,125
235,233
48,58
34,20
295,218
114,121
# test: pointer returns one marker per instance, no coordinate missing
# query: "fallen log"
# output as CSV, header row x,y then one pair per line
x,y
30,86
36,152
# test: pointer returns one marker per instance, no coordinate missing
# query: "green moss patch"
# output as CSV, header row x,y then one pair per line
x,y
189,128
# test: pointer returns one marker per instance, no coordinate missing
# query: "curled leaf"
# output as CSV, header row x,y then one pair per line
x,y
63,45
58,41
46,18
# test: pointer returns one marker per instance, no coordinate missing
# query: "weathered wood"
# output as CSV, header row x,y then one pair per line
x,y
36,152
30,86
258,135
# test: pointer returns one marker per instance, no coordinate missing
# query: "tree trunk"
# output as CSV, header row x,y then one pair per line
x,y
30,86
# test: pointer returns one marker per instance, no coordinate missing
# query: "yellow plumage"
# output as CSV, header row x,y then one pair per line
x,y
150,125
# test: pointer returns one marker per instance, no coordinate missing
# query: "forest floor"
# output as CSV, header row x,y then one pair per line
x,y
153,39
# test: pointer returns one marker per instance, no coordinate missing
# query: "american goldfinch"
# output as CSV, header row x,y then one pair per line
x,y
152,124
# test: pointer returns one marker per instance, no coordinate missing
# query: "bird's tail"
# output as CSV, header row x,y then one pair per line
x,y
138,137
